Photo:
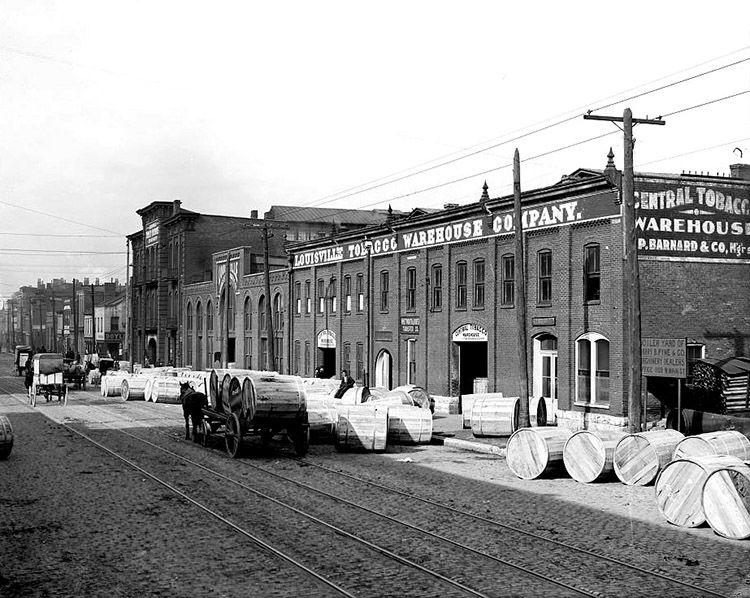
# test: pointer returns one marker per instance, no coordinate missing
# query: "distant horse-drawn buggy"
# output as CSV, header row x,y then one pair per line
x,y
74,373
48,378
244,403
22,354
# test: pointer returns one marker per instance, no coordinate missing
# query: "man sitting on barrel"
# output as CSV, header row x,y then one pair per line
x,y
347,382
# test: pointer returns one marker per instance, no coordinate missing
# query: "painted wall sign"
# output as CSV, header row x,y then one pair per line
x,y
152,234
666,357
544,321
561,213
113,336
326,339
688,221
409,325
469,333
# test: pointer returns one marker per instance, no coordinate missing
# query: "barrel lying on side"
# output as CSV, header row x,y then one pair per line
x,y
494,416
133,388
362,427
409,424
467,405
588,456
534,452
321,417
6,437
724,442
165,390
679,488
640,457
726,501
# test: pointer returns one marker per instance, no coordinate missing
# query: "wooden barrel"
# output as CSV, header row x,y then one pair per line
x,y
112,384
409,424
321,416
6,438
492,416
362,427
467,403
726,501
248,398
355,395
726,442
538,414
278,397
588,456
679,488
133,388
231,393
165,390
534,452
640,457
419,396
149,388
394,397
198,380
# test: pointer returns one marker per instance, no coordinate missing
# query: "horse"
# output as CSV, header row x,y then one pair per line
x,y
192,404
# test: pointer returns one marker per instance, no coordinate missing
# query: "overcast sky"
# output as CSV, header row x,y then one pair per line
x,y
233,106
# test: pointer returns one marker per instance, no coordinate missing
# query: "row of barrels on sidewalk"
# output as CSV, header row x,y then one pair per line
x,y
697,479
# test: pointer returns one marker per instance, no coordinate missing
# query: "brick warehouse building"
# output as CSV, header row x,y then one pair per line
x,y
430,299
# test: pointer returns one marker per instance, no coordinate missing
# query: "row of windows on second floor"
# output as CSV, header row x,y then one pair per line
x,y
205,312
469,287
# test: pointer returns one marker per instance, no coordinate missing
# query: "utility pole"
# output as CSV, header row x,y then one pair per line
x,y
93,323
632,284
520,276
225,344
126,341
75,320
54,325
269,321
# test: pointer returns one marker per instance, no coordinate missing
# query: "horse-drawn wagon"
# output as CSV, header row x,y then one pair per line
x,y
248,402
74,373
48,378
22,354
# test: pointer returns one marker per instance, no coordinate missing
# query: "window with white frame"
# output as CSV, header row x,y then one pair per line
x,y
695,351
592,367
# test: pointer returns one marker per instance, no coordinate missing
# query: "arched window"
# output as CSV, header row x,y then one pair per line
x,y
262,314
592,367
248,314
278,313
209,317
189,323
198,318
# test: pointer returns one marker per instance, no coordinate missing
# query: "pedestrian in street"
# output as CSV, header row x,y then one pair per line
x,y
28,379
347,382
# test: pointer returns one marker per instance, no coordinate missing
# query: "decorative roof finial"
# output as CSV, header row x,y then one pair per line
x,y
611,159
485,195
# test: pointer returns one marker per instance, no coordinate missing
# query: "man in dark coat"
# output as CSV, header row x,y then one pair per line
x,y
347,382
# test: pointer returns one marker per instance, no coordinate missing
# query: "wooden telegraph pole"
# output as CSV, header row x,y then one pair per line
x,y
520,278
269,321
225,332
632,284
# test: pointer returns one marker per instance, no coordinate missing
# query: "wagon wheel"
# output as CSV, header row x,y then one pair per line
x,y
233,435
64,397
32,396
301,439
204,431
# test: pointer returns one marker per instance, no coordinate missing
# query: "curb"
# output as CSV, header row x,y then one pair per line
x,y
468,445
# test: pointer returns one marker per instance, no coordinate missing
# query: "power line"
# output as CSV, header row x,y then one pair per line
x,y
65,236
20,251
729,97
702,149
7,203
336,196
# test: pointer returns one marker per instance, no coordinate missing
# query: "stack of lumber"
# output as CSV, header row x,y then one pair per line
x,y
679,488
726,501
362,427
588,456
640,457
726,381
534,452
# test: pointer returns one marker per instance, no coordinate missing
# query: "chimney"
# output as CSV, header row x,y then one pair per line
x,y
740,171
176,206
254,214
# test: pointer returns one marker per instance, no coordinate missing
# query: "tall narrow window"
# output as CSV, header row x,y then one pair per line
x,y
384,284
230,308
695,352
248,314
198,318
332,289
348,293
437,286
296,357
308,299
297,298
189,316
321,296
478,283
411,289
360,292
278,313
508,281
262,314
592,366
360,362
348,357
544,276
591,273
307,358
461,285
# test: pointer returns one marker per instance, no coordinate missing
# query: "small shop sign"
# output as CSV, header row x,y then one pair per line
x,y
469,333
326,339
664,357
409,325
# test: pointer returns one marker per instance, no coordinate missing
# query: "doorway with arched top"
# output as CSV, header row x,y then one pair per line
x,y
384,370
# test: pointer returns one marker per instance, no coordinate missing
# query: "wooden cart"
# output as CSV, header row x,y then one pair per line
x,y
48,378
264,404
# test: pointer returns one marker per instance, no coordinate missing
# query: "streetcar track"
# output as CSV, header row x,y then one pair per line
x,y
175,421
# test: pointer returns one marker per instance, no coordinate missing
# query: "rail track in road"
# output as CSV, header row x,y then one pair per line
x,y
572,572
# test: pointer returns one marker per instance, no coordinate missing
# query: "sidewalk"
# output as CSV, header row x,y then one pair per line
x,y
448,430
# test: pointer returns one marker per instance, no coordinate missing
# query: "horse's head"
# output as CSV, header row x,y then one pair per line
x,y
184,387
